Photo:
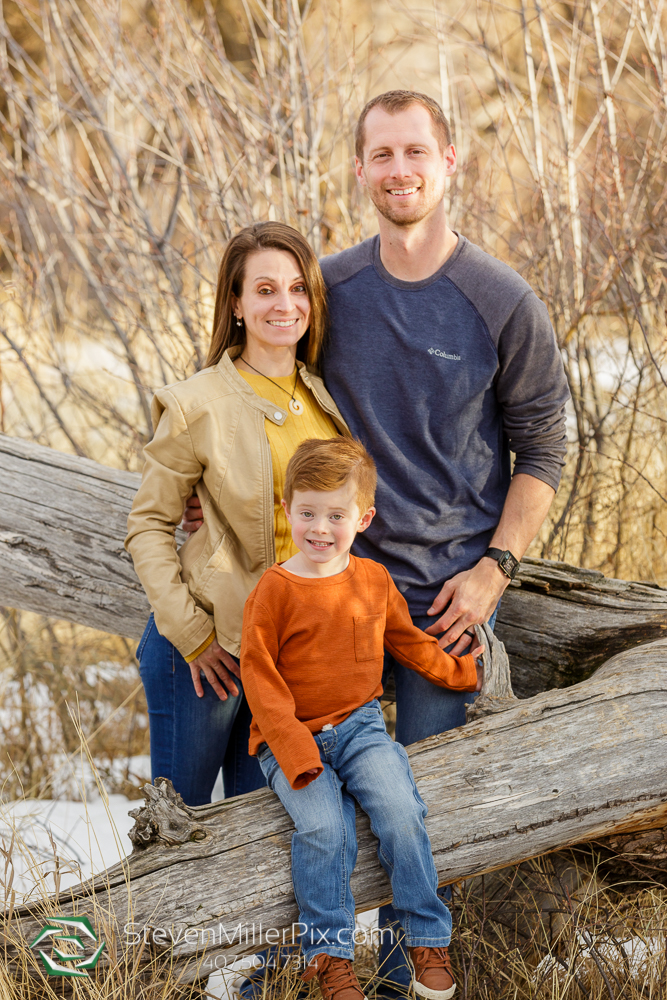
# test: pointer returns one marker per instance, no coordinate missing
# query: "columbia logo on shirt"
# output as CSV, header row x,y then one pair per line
x,y
444,354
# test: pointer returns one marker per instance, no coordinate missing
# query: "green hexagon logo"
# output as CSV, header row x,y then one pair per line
x,y
73,962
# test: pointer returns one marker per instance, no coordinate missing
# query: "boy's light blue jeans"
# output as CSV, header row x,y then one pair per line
x,y
361,762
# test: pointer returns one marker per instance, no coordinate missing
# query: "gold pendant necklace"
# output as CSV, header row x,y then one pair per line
x,y
294,405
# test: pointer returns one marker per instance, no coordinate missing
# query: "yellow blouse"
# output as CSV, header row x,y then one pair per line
x,y
284,440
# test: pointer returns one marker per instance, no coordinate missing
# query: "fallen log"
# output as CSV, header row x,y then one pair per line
x,y
564,767
62,525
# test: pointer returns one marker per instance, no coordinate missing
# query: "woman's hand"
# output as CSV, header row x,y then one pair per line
x,y
215,662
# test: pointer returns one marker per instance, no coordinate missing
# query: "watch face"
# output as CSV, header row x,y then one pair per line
x,y
508,564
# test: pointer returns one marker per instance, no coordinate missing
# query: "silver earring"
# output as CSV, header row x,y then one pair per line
x,y
239,321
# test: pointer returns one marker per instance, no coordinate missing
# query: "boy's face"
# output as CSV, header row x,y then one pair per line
x,y
324,524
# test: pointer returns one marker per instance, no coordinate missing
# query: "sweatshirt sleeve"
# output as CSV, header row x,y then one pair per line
x,y
170,472
270,699
532,390
420,652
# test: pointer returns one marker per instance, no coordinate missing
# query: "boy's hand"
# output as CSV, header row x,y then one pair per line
x,y
192,516
477,653
215,662
313,770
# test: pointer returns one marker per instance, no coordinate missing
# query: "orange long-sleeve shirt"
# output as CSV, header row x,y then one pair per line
x,y
312,652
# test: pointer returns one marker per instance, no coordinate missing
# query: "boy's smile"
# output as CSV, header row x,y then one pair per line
x,y
324,525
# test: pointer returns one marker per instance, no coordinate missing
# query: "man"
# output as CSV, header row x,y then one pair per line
x,y
442,360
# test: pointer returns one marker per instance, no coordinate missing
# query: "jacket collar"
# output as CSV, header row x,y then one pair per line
x,y
276,414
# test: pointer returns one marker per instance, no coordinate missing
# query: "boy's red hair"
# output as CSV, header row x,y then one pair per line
x,y
327,464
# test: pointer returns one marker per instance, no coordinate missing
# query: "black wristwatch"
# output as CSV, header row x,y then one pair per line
x,y
508,563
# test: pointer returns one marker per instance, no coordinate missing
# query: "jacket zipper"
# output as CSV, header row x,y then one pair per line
x,y
269,539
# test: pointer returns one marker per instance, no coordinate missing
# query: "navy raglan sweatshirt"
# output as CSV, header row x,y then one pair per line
x,y
440,379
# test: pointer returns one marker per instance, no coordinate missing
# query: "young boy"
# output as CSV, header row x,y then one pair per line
x,y
314,633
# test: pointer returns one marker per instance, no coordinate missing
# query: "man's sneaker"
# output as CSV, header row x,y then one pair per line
x,y
337,978
433,978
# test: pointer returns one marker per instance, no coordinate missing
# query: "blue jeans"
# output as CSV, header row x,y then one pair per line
x,y
191,737
361,762
422,710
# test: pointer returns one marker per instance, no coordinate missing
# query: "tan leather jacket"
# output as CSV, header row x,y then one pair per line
x,y
209,434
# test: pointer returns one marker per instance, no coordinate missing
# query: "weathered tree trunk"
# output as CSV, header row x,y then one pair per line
x,y
563,767
62,524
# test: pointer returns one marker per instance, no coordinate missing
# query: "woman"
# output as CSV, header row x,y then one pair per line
x,y
227,432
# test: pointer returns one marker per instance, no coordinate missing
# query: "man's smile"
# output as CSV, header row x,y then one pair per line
x,y
402,192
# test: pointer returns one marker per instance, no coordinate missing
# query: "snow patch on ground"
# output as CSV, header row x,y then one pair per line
x,y
87,837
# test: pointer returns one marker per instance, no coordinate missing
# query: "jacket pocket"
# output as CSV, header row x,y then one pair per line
x,y
368,637
200,582
195,552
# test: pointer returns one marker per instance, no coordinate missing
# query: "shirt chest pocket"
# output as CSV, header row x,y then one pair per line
x,y
368,636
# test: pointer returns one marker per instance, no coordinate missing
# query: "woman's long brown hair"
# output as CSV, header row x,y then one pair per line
x,y
267,236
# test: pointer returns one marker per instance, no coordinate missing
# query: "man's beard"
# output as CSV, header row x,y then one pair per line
x,y
402,218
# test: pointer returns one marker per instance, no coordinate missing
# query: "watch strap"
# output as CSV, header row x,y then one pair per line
x,y
495,553
503,557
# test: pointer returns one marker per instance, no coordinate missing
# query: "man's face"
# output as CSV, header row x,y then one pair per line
x,y
403,168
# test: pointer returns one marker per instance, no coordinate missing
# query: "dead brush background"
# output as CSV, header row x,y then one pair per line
x,y
137,137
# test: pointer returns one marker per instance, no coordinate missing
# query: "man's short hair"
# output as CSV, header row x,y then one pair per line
x,y
394,101
327,464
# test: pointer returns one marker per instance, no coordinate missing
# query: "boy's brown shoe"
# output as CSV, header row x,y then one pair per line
x,y
433,978
336,977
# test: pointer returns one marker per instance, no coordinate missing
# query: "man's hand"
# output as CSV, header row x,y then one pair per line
x,y
472,597
215,662
192,517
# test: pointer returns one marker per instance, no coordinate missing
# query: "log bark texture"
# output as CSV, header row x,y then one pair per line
x,y
62,525
561,768
559,623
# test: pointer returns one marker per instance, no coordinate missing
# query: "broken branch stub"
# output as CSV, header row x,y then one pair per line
x,y
165,817
496,694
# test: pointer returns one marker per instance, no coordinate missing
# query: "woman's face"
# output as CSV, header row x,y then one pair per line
x,y
274,302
